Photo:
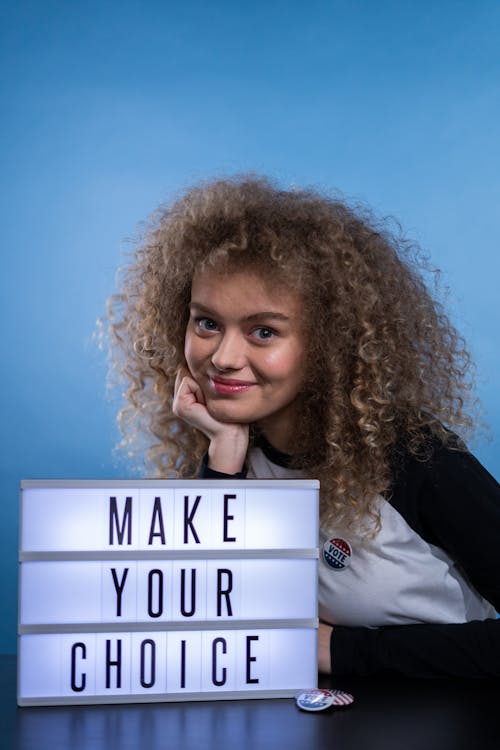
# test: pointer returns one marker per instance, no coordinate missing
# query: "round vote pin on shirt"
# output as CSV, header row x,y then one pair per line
x,y
318,700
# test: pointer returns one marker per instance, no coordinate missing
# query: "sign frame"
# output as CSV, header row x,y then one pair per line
x,y
308,624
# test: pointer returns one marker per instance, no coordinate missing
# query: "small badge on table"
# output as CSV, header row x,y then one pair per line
x,y
318,700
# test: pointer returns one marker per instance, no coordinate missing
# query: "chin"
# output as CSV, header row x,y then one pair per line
x,y
228,415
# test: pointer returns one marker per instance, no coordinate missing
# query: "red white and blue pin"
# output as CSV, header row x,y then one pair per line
x,y
337,553
317,699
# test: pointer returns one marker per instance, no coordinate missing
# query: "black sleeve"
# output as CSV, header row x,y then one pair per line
x,y
454,503
207,473
470,649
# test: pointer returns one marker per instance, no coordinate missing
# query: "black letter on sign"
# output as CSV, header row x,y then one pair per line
x,y
114,521
184,611
119,589
222,681
144,683
183,664
224,592
117,663
227,518
159,611
74,686
157,517
250,659
188,518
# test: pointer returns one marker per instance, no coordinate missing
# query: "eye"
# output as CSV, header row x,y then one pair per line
x,y
263,334
206,325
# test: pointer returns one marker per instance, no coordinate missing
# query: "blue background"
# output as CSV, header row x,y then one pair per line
x,y
111,107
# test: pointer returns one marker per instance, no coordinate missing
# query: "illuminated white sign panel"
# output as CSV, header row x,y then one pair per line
x,y
160,590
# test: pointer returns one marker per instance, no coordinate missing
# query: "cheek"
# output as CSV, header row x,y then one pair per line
x,y
191,349
285,365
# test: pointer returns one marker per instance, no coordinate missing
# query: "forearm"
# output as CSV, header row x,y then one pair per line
x,y
469,649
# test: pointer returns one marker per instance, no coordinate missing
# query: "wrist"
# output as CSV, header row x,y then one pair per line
x,y
325,633
227,452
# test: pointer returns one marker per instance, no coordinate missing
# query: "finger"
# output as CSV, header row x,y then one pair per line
x,y
184,382
187,396
182,372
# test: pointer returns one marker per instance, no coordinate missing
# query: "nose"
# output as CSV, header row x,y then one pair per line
x,y
230,352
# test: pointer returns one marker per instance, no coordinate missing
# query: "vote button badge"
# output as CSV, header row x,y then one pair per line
x,y
318,700
337,553
314,700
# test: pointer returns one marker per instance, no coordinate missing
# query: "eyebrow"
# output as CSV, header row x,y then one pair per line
x,y
265,315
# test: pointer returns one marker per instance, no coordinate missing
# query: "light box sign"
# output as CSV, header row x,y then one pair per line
x,y
166,590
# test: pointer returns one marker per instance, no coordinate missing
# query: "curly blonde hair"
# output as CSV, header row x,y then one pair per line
x,y
388,371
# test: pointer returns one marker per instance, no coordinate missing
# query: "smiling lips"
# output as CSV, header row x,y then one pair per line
x,y
229,386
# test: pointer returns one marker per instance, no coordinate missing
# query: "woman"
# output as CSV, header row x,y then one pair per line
x,y
273,333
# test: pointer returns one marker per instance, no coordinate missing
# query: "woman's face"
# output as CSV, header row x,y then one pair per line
x,y
244,346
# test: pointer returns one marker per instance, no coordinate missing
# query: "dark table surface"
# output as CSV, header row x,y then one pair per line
x,y
387,714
